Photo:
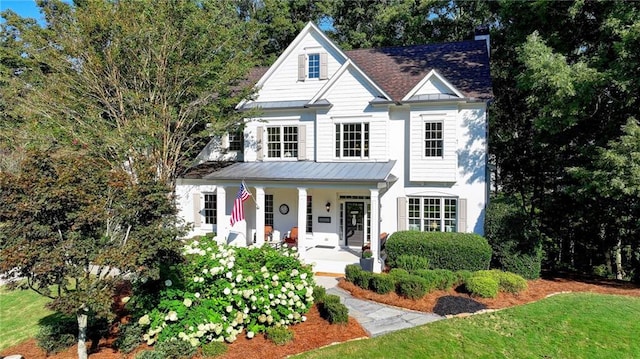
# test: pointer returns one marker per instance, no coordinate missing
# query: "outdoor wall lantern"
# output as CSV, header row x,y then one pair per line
x,y
328,206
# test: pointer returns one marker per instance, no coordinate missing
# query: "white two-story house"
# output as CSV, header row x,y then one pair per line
x,y
349,145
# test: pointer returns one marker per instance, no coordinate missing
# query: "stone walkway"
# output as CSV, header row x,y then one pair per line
x,y
376,318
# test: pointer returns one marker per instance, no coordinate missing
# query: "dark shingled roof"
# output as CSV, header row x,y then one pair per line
x,y
399,69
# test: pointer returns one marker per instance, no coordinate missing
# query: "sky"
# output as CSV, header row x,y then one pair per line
x,y
24,8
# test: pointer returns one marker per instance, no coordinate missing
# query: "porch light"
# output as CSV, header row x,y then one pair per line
x,y
328,206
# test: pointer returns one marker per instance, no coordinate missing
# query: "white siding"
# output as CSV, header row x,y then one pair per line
x,y
350,99
279,118
283,84
433,169
433,86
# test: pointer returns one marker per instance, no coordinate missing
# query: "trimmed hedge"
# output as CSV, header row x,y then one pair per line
x,y
382,283
507,282
444,250
438,278
412,286
411,262
482,286
333,310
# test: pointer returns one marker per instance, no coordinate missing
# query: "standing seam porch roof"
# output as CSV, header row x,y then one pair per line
x,y
302,171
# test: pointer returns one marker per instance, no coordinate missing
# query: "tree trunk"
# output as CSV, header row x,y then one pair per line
x,y
618,253
82,332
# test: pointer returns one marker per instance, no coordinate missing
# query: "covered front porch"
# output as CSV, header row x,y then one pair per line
x,y
332,209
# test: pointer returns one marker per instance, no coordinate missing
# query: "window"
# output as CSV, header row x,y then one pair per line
x,y
309,215
210,210
236,141
433,214
433,139
314,66
268,210
282,142
352,140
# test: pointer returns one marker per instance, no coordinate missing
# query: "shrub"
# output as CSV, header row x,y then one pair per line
x,y
220,291
57,332
382,283
398,272
150,354
462,275
507,282
333,310
438,278
176,349
523,264
411,262
444,250
363,279
482,286
351,271
129,337
214,349
279,335
411,286
319,293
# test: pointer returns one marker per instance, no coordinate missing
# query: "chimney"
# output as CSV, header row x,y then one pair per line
x,y
482,33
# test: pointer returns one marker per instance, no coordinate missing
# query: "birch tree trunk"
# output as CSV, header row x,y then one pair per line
x,y
82,332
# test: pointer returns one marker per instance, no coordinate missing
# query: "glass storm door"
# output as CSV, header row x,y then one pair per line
x,y
354,226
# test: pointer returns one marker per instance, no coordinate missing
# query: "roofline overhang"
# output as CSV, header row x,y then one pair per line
x,y
245,108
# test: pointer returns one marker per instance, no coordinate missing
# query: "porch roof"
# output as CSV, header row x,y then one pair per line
x,y
301,171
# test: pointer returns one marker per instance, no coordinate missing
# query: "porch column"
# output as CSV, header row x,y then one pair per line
x,y
259,216
302,222
375,230
222,221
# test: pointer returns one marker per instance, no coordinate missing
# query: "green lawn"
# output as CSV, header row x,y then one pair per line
x,y
579,325
20,311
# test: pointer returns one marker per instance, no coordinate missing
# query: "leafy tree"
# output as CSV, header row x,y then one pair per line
x,y
74,230
137,80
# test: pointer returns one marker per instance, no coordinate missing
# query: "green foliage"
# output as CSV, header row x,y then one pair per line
x,y
150,354
214,349
382,283
507,282
411,262
444,250
463,275
483,286
220,291
333,310
515,246
438,278
175,349
398,272
57,332
319,293
351,271
412,286
129,337
363,279
279,335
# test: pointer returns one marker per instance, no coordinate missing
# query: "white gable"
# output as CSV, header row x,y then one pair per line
x,y
281,82
433,84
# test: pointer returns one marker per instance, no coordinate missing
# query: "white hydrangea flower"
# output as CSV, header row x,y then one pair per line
x,y
172,316
226,291
229,308
144,320
187,302
250,335
168,282
303,276
196,294
275,277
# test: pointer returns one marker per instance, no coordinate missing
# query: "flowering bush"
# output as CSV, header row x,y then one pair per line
x,y
219,291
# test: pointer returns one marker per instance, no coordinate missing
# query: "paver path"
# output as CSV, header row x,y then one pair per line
x,y
376,318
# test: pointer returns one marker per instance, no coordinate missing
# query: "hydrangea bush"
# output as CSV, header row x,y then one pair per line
x,y
221,291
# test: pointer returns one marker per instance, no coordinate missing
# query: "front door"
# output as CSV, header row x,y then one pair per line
x,y
354,228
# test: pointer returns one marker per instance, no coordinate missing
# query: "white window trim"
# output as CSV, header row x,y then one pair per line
x,y
442,212
424,140
347,122
266,156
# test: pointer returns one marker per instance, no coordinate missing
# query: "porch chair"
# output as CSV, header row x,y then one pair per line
x,y
291,240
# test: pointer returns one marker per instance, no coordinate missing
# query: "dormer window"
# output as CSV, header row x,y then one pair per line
x,y
236,141
312,66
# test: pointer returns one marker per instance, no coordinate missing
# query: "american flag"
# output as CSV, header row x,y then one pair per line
x,y
237,214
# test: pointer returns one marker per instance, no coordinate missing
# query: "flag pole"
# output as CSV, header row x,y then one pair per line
x,y
250,194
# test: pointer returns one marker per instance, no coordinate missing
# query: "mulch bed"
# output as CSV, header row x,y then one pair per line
x,y
316,332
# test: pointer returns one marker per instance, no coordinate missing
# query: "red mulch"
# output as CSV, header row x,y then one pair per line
x,y
316,332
